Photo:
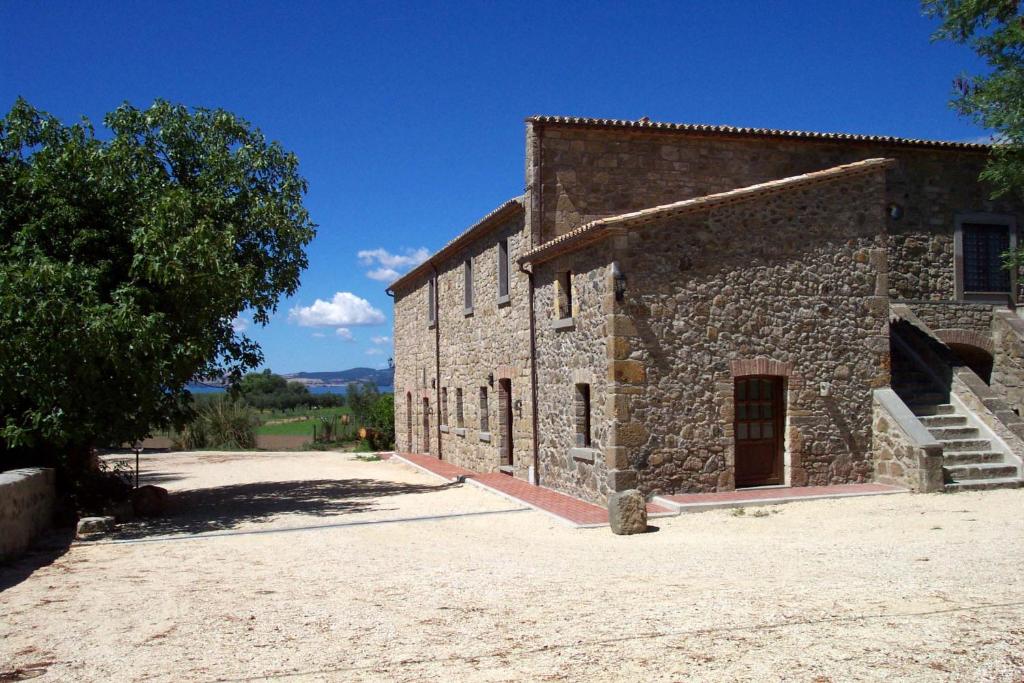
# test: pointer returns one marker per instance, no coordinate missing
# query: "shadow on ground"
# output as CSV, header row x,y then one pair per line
x,y
43,552
228,507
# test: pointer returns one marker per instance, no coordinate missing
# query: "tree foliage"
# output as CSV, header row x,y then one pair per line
x,y
265,390
124,258
994,29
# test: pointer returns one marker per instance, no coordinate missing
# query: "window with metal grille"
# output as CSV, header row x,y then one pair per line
x,y
458,408
468,285
984,246
444,405
485,422
431,298
582,416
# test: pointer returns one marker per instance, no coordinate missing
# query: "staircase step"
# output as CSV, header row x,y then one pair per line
x,y
963,445
971,457
984,484
924,409
930,397
991,470
930,421
953,433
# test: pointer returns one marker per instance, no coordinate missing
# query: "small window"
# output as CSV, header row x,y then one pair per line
x,y
444,405
503,270
468,285
431,299
563,295
485,423
459,422
583,416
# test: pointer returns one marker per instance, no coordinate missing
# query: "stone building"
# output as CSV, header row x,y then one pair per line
x,y
683,308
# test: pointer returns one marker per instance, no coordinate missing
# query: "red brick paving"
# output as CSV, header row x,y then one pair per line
x,y
568,508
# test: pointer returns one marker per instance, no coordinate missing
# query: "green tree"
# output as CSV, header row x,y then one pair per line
x,y
994,29
124,258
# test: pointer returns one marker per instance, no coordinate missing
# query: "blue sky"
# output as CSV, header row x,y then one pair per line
x,y
408,117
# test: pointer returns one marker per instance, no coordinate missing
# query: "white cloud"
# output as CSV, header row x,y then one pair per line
x,y
374,352
343,310
383,274
240,324
380,340
319,335
345,334
390,266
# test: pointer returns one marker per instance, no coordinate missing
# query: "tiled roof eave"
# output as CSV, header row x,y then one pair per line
x,y
463,239
741,132
602,227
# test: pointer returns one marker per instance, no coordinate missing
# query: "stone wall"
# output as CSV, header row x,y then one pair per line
x,y
476,349
571,352
1008,359
27,499
588,173
792,284
945,315
906,454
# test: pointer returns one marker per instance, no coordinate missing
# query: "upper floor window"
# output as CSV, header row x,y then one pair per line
x,y
980,242
431,300
503,269
582,410
467,271
563,295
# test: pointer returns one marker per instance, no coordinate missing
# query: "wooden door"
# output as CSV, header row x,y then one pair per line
x,y
505,420
426,425
408,422
760,417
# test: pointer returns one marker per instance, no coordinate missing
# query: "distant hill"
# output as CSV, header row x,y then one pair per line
x,y
380,378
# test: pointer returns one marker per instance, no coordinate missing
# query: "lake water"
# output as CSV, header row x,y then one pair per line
x,y
206,389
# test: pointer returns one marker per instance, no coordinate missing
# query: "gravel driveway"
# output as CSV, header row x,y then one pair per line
x,y
320,567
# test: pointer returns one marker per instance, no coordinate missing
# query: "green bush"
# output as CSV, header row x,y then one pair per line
x,y
221,423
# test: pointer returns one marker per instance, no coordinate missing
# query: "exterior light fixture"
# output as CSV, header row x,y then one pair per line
x,y
895,211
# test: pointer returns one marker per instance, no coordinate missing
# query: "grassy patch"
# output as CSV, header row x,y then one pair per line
x,y
295,423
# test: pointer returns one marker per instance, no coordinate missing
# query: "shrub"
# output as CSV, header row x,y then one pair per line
x,y
220,423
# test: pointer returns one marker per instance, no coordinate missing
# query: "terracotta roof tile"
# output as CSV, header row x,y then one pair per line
x,y
733,131
595,230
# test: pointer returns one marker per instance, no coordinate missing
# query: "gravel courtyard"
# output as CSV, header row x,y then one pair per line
x,y
318,566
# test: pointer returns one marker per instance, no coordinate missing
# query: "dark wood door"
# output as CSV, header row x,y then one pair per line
x,y
759,424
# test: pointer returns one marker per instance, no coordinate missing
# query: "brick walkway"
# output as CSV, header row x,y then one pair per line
x,y
697,502
566,508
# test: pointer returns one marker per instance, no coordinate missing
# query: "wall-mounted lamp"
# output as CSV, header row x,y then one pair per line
x,y
490,379
619,282
895,211
519,407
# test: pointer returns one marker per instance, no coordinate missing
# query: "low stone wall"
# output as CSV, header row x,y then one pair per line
x,y
27,499
905,452
942,315
1008,359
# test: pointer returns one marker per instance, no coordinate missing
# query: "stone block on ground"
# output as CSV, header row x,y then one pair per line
x,y
627,512
150,501
94,526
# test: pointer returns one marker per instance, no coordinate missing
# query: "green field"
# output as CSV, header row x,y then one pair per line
x,y
295,427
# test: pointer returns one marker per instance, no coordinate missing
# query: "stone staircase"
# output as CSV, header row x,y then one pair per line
x,y
973,457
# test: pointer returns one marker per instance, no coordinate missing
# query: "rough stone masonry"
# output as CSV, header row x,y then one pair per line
x,y
594,333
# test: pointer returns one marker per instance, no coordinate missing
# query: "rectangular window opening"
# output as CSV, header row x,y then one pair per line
x,y
485,423
563,290
503,269
583,416
431,299
459,422
444,405
984,246
468,285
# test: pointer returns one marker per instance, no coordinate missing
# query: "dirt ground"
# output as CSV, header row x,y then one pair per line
x,y
320,567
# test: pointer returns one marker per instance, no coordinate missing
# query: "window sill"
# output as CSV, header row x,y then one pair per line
x,y
444,429
506,469
587,455
563,324
485,436
997,298
460,431
467,311
504,300
431,325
